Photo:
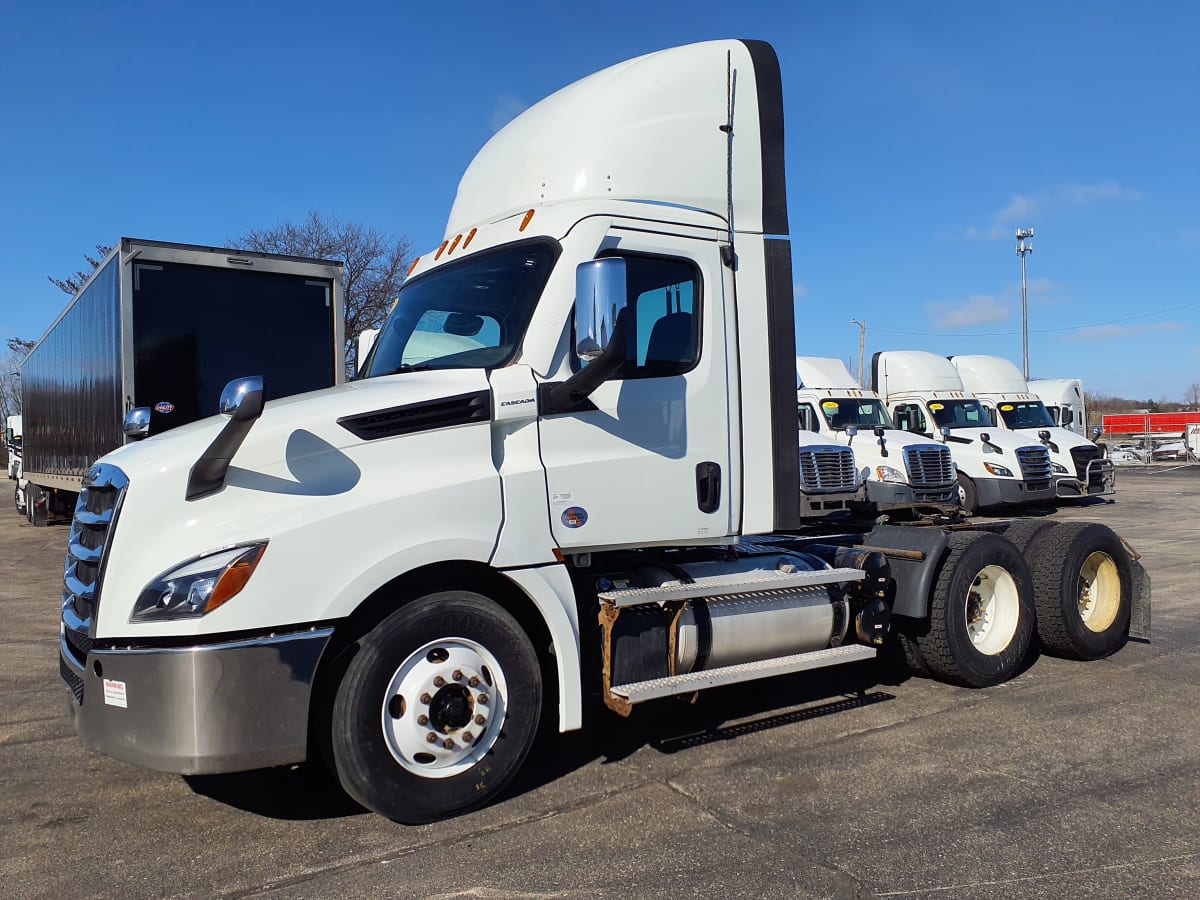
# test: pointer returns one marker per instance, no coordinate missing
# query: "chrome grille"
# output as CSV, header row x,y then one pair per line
x,y
1035,467
827,469
929,467
91,528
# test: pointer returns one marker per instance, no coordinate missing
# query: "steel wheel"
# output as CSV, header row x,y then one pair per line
x,y
993,609
1099,591
444,707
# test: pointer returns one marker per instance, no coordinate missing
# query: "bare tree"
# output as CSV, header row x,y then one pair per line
x,y
1192,396
10,376
375,262
73,283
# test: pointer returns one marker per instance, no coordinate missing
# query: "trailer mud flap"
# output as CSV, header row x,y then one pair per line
x,y
1139,601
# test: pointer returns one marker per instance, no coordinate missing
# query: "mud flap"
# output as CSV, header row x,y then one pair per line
x,y
1139,604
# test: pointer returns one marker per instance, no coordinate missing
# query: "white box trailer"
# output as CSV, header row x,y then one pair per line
x,y
590,493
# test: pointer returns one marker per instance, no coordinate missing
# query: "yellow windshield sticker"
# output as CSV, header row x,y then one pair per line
x,y
1007,407
936,407
829,404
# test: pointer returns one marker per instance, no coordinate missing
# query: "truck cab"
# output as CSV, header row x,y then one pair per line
x,y
12,443
925,395
1064,399
901,469
1079,467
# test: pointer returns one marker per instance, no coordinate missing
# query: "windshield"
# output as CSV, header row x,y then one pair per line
x,y
858,411
1025,414
959,414
469,315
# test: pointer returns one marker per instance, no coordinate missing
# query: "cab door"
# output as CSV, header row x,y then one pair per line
x,y
647,461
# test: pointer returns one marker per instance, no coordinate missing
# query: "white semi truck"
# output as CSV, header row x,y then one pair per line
x,y
595,495
1064,399
1080,469
12,444
901,469
924,394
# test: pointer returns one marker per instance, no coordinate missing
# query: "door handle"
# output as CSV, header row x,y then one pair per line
x,y
708,486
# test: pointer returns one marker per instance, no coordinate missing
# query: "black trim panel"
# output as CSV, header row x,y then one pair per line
x,y
427,415
785,425
769,82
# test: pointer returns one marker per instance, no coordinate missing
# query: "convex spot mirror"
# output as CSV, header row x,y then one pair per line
x,y
599,299
242,398
137,423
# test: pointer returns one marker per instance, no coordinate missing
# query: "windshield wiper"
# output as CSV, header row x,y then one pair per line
x,y
407,367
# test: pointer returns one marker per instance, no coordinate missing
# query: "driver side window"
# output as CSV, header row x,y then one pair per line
x,y
909,417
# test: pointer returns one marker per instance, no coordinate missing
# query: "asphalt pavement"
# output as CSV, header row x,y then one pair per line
x,y
1073,779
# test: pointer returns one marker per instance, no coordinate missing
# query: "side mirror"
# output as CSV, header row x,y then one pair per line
x,y
878,431
1044,435
137,423
599,299
1097,431
986,438
851,430
945,431
242,399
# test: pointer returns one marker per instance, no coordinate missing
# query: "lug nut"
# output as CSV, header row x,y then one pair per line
x,y
431,738
425,698
467,737
439,681
458,675
422,720
448,744
479,720
482,699
474,682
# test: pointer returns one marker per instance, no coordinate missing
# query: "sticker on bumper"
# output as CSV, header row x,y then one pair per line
x,y
114,693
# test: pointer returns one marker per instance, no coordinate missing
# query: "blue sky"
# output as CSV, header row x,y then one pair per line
x,y
919,137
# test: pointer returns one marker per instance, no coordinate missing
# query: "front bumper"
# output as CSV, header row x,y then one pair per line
x,y
885,494
204,709
1010,492
814,505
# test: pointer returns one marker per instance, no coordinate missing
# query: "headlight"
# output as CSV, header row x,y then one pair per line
x,y
1058,470
887,473
198,587
997,470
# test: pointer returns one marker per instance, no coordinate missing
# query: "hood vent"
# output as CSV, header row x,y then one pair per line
x,y
427,415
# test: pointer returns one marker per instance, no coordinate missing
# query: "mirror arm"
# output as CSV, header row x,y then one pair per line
x,y
570,395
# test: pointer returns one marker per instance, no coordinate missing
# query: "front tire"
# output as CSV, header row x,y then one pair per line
x,y
437,710
968,496
981,612
1083,588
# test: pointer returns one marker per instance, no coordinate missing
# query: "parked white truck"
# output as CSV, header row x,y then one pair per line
x,y
595,494
1064,399
12,444
901,469
1080,469
924,394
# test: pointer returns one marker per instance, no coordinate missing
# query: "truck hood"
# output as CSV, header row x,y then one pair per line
x,y
1008,440
868,452
315,414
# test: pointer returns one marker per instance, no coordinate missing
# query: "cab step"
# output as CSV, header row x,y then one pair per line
x,y
729,586
638,691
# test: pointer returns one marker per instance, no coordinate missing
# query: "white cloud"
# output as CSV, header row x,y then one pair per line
x,y
1111,332
978,309
1040,285
1023,207
799,290
506,108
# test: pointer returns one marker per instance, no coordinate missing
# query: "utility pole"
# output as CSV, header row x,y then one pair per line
x,y
862,347
1024,246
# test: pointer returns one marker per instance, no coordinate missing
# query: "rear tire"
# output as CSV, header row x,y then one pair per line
x,y
1023,531
1083,589
981,612
968,497
415,743
37,506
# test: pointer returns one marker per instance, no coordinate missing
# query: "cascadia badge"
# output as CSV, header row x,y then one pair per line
x,y
164,407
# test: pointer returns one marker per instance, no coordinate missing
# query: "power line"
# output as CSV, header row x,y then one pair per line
x,y
952,333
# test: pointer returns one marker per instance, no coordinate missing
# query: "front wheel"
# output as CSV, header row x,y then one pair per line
x,y
968,496
437,710
981,612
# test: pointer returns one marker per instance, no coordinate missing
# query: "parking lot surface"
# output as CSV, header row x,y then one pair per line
x,y
1074,779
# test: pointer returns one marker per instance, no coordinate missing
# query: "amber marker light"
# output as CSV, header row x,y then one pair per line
x,y
441,250
454,245
413,266
470,235
234,578
525,221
